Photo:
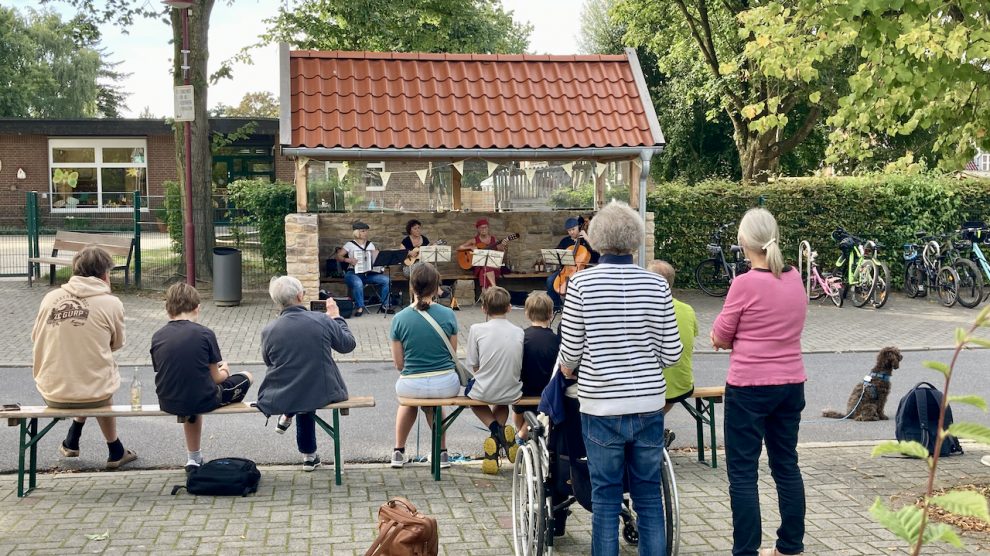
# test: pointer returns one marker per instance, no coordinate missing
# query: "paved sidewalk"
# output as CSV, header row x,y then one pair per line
x,y
304,513
906,323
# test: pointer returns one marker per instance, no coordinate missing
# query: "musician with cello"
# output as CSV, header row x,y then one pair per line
x,y
576,241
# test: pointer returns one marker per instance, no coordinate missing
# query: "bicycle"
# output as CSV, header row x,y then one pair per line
x,y
865,275
970,286
975,232
715,274
928,271
818,285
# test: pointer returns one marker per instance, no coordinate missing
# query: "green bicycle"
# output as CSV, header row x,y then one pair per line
x,y
867,277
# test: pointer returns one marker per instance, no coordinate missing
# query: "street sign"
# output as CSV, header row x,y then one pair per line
x,y
185,110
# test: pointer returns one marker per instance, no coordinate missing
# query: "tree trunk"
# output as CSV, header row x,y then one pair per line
x,y
202,157
756,158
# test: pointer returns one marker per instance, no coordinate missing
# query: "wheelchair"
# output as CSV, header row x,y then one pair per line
x,y
546,482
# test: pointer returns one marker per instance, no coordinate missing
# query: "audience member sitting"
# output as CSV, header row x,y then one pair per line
x,y
540,347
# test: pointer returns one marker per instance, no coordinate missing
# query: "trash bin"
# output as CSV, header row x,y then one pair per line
x,y
226,276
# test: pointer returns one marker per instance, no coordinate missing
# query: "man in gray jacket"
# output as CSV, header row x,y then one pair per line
x,y
302,375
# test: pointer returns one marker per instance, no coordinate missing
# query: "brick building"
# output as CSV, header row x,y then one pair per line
x,y
90,165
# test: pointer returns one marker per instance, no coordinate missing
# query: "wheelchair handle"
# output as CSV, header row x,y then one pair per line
x,y
535,426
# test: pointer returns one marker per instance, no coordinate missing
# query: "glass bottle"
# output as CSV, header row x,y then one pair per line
x,y
135,392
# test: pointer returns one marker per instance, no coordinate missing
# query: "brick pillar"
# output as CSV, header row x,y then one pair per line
x,y
650,239
302,251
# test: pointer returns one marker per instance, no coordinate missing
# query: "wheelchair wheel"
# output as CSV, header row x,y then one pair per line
x,y
529,527
671,505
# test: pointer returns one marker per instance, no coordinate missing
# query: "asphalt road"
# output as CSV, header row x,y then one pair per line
x,y
368,434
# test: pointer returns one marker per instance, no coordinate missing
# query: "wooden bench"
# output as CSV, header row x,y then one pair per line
x,y
459,403
703,412
27,417
73,242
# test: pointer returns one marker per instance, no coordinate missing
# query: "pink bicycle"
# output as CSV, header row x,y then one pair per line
x,y
816,284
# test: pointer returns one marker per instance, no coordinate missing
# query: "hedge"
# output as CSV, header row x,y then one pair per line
x,y
888,208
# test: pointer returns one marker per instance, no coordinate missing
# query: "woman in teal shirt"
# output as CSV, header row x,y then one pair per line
x,y
426,368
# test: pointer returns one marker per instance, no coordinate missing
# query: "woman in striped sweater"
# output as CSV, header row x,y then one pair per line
x,y
761,322
619,326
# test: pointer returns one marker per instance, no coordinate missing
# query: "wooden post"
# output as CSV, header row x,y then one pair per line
x,y
455,184
600,191
634,174
302,194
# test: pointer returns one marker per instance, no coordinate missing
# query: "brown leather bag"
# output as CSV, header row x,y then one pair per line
x,y
403,531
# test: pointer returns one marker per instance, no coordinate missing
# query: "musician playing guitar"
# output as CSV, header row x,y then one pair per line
x,y
412,242
484,240
576,237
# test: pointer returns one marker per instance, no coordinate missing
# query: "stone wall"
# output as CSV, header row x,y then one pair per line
x,y
311,238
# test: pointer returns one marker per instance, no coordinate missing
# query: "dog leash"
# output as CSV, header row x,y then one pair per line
x,y
866,384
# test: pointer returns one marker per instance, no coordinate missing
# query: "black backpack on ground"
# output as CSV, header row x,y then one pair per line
x,y
917,419
223,477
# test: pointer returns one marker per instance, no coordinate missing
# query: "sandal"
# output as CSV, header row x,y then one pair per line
x,y
128,457
358,312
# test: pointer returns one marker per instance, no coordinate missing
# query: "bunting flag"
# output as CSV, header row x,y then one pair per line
x,y
600,168
530,173
459,166
421,174
492,166
637,162
341,172
568,167
385,176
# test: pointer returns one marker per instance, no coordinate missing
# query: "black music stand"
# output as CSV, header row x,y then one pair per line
x,y
387,259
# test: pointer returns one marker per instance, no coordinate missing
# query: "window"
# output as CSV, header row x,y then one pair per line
x,y
369,177
97,173
983,162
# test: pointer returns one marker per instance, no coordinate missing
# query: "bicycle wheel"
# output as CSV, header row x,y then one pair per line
x,y
528,519
712,277
833,289
817,291
914,280
864,280
671,505
947,284
970,291
882,287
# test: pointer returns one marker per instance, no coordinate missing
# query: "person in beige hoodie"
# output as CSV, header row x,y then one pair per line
x,y
77,329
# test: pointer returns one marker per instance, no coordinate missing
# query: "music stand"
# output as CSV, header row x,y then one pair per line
x,y
559,257
487,258
386,259
434,254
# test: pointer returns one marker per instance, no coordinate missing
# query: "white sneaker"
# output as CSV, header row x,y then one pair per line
x,y
398,459
985,460
284,422
444,460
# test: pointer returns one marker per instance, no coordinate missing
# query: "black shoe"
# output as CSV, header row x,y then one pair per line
x,y
668,437
358,312
389,311
310,465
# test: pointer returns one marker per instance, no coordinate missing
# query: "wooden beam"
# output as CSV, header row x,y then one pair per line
x,y
455,184
302,194
600,191
634,174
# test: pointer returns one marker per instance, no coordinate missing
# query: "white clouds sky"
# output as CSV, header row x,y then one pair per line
x,y
145,51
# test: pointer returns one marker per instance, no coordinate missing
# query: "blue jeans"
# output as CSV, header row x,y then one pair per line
x,y
625,444
755,415
356,282
305,433
557,301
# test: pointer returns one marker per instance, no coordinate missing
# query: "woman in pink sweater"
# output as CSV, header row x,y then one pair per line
x,y
761,322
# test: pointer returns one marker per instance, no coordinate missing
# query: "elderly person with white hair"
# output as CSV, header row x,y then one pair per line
x,y
302,375
619,326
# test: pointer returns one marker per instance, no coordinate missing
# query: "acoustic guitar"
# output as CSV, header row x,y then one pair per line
x,y
413,255
464,255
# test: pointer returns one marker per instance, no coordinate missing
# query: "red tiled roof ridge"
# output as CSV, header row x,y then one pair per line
x,y
450,127
598,78
453,57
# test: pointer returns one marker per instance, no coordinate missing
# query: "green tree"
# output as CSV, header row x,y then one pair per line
x,y
919,81
55,69
261,104
704,53
123,13
474,26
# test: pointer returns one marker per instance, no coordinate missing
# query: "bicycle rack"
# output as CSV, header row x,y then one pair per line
x,y
804,252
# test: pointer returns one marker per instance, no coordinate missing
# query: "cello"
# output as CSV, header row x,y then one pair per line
x,y
582,256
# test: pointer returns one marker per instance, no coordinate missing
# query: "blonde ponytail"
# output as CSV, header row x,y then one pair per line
x,y
758,232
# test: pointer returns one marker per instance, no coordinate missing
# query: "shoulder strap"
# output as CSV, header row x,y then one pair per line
x,y
177,488
921,401
384,537
426,316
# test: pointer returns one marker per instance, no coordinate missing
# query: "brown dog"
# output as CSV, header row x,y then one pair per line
x,y
869,396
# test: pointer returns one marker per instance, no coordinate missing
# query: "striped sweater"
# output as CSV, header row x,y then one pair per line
x,y
619,326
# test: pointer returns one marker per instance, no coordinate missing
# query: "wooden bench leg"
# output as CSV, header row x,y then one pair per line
x,y
334,432
28,449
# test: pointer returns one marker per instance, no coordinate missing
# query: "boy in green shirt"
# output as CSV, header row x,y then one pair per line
x,y
679,376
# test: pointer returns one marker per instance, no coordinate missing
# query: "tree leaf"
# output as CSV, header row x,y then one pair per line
x,y
815,97
971,431
960,336
941,532
904,447
979,341
970,399
938,366
963,502
905,523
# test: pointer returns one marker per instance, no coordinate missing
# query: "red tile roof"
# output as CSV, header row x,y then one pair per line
x,y
372,100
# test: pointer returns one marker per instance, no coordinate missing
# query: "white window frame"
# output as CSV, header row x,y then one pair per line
x,y
983,162
331,169
97,144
